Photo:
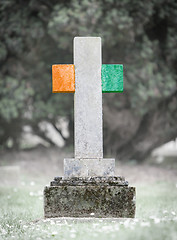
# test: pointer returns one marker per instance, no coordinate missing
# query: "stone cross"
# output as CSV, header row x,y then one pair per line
x,y
89,187
88,78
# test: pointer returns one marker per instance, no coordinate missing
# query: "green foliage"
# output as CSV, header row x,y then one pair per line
x,y
15,95
35,34
127,29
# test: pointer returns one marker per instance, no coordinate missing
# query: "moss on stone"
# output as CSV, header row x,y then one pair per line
x,y
81,201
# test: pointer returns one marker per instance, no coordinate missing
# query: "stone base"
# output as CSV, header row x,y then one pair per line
x,y
89,167
109,197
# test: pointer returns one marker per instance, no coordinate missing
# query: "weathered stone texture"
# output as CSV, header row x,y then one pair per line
x,y
94,181
88,167
89,185
88,98
65,200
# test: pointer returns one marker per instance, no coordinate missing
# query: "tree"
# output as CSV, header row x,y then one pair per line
x,y
141,35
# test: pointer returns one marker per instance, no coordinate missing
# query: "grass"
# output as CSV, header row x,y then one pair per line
x,y
21,216
21,207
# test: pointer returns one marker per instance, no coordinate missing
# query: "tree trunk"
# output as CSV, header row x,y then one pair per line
x,y
156,127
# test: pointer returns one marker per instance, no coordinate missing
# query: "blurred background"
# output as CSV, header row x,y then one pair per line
x,y
37,126
141,35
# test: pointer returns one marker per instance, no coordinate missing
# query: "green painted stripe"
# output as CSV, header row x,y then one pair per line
x,y
112,78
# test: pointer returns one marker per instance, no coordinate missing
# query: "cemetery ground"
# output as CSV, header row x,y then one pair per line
x,y
24,174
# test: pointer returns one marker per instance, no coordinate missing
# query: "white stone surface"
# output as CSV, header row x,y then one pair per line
x,y
88,98
89,167
88,161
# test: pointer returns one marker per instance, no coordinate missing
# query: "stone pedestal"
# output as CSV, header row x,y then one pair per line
x,y
86,168
89,187
89,197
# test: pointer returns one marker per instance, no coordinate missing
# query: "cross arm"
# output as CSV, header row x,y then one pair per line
x,y
63,78
112,78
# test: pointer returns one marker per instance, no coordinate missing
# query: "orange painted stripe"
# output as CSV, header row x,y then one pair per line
x,y
63,78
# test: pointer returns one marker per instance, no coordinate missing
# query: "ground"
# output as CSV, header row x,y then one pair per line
x,y
23,176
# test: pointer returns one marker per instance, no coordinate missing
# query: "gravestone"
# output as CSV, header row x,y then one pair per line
x,y
89,187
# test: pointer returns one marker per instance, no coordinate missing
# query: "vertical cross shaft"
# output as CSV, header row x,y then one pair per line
x,y
88,159
88,98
